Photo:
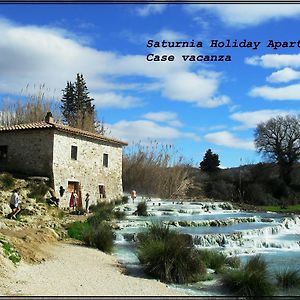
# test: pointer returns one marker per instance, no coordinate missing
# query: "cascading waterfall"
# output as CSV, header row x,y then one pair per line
x,y
256,238
213,225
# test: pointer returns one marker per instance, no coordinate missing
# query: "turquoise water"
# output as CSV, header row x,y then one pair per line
x,y
275,236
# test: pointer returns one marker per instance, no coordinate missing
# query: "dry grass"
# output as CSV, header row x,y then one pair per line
x,y
155,170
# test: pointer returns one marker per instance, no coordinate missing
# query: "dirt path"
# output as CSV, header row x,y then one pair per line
x,y
79,271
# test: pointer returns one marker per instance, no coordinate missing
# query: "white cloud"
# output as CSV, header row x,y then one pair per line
x,y
284,75
291,92
169,35
144,130
226,139
248,15
150,9
31,54
194,88
111,99
275,60
250,119
165,117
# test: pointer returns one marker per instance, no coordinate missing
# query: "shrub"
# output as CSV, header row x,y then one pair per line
x,y
250,281
233,262
142,209
92,207
220,189
155,231
7,181
125,199
12,254
101,212
119,215
256,193
61,214
103,238
288,278
213,259
38,190
169,256
77,230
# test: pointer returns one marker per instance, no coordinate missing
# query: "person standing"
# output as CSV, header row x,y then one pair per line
x,y
72,201
133,195
87,200
14,204
61,191
75,199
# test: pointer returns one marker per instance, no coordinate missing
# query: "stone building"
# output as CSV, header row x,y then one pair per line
x,y
75,159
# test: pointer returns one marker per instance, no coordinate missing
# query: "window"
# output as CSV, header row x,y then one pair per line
x,y
105,160
3,153
74,152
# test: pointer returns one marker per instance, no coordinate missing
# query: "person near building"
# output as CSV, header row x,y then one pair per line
x,y
14,204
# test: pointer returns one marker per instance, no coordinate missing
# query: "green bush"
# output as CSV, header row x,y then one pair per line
x,y
213,259
101,212
252,280
155,231
38,190
119,215
169,256
103,238
288,278
7,181
125,199
12,254
77,230
104,212
142,209
233,262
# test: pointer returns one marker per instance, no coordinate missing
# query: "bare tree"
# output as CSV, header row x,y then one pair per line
x,y
156,170
279,140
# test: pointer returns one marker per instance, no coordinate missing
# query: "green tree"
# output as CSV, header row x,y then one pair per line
x,y
77,107
68,106
279,140
210,162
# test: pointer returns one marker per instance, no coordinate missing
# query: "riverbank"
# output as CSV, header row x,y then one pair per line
x,y
75,270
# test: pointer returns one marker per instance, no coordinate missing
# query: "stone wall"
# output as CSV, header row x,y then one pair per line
x,y
29,152
88,169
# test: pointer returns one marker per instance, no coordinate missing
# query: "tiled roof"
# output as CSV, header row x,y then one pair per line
x,y
64,128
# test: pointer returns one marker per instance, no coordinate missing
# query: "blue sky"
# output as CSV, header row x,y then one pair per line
x,y
193,105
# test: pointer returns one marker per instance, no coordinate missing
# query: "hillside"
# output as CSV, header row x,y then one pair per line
x,y
37,226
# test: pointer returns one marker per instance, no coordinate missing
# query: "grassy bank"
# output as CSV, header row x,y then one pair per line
x,y
278,209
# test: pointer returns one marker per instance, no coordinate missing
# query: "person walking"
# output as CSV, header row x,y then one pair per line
x,y
14,204
133,195
87,200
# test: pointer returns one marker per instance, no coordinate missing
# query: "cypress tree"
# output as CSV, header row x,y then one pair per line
x,y
210,162
77,107
68,106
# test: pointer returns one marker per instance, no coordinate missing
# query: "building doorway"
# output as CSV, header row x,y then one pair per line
x,y
75,186
102,191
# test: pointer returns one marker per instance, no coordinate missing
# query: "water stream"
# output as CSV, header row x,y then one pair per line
x,y
214,225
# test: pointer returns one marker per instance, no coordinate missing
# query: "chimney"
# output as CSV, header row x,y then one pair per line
x,y
49,118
